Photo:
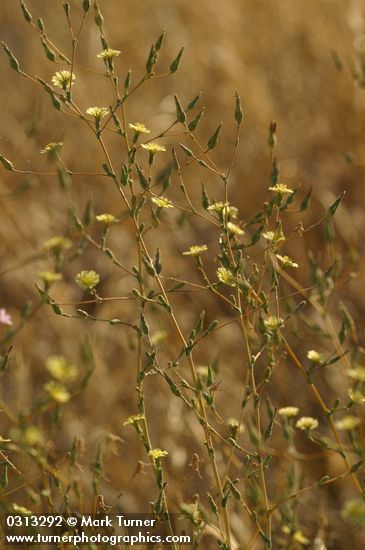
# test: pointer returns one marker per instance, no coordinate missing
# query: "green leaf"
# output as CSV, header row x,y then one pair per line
x,y
238,115
175,64
56,308
356,466
98,18
151,60
180,113
55,101
14,64
142,178
173,387
306,201
4,477
86,5
6,163
194,123
51,55
144,325
193,102
187,151
204,198
26,13
158,44
332,209
157,262
213,140
127,81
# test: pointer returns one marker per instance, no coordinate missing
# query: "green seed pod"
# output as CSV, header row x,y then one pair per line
x,y
26,13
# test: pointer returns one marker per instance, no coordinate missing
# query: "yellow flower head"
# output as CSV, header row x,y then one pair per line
x,y
357,373
61,369
196,250
157,453
288,412
226,276
57,391
87,279
234,229
307,423
52,148
275,236
281,189
139,128
354,511
21,510
286,261
356,396
272,323
133,419
108,54
153,147
97,112
62,79
348,423
162,202
57,243
299,537
106,218
49,276
314,356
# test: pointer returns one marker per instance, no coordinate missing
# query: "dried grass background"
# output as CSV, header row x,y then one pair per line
x,y
279,55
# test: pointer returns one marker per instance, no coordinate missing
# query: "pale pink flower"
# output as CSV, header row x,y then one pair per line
x,y
5,318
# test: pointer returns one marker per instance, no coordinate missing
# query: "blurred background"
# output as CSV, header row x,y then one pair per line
x,y
297,62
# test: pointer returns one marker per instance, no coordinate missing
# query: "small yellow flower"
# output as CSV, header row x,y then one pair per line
x,y
314,356
307,423
57,391
61,369
196,250
49,276
21,510
224,210
202,371
57,243
87,279
226,276
274,236
157,453
158,337
108,54
269,235
286,261
299,537
162,202
52,148
288,412
354,511
139,128
281,189
356,396
106,218
133,419
32,436
357,373
62,79
97,112
218,207
234,229
348,423
153,147
272,323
